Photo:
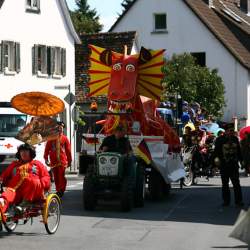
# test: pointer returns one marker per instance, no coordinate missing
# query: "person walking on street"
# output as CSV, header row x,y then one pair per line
x,y
227,156
58,156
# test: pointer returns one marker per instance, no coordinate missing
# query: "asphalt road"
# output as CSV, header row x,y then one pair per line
x,y
189,219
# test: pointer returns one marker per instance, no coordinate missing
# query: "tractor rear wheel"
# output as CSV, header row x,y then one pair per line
x,y
140,186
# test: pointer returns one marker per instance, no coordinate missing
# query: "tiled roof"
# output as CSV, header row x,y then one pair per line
x,y
233,33
114,41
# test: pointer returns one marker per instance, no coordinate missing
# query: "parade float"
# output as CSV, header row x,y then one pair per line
x,y
132,85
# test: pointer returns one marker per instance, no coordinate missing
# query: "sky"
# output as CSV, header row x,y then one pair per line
x,y
107,9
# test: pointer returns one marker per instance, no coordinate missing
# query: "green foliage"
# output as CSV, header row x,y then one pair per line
x,y
194,83
80,116
85,19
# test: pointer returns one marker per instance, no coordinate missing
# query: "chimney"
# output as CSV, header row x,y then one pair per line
x,y
245,6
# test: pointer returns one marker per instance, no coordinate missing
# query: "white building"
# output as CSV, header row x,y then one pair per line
x,y
37,47
217,32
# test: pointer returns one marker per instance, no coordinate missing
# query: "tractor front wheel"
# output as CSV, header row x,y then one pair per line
x,y
127,197
89,198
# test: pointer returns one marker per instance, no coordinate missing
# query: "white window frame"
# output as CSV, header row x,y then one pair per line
x,y
32,7
154,23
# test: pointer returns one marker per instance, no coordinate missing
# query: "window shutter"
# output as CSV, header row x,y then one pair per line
x,y
63,64
52,60
49,60
44,60
5,53
17,58
12,57
38,5
34,60
0,57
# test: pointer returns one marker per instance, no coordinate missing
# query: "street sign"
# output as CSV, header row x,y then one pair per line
x,y
62,87
70,98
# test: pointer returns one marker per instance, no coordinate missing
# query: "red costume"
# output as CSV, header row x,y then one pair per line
x,y
24,181
59,153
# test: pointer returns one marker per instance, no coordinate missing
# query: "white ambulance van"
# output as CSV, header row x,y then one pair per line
x,y
11,122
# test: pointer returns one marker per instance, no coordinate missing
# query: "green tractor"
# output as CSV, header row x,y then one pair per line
x,y
114,176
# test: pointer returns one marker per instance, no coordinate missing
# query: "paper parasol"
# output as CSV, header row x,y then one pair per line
x,y
37,104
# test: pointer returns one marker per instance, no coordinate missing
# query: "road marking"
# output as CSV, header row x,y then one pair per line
x,y
75,185
176,206
98,222
145,235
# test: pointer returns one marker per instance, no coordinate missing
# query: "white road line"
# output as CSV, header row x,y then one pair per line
x,y
176,206
75,185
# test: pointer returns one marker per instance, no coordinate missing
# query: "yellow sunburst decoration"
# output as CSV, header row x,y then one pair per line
x,y
99,73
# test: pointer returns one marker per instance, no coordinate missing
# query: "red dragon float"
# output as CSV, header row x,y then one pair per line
x,y
132,84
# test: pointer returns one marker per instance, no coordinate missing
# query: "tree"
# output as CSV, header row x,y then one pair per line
x,y
85,19
194,83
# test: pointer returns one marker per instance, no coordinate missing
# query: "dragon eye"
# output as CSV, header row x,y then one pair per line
x,y
130,68
117,67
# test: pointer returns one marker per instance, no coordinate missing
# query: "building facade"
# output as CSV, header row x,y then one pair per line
x,y
37,48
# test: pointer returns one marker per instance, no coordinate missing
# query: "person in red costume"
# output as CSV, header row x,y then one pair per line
x,y
25,180
58,155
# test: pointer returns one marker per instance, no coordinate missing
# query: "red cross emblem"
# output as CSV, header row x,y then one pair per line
x,y
8,146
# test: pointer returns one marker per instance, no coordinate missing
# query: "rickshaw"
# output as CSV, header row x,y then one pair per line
x,y
48,208
42,107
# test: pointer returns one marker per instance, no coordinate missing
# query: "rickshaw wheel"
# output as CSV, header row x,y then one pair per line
x,y
51,213
10,226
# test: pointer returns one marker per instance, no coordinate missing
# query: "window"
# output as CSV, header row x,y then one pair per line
x,y
33,6
10,125
49,61
160,22
9,57
200,58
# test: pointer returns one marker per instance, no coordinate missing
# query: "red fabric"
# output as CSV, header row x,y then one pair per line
x,y
59,177
31,188
65,152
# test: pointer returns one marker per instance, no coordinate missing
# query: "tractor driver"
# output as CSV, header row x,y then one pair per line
x,y
117,142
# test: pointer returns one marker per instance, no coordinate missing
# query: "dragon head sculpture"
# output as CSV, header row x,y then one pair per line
x,y
121,77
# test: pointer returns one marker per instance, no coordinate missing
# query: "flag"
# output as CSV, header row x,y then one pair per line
x,y
142,150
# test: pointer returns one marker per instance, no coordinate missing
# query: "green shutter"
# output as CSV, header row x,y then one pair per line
x,y
17,58
49,60
52,60
35,59
5,53
1,57
63,63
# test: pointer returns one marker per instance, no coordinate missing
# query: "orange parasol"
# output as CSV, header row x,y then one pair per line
x,y
37,104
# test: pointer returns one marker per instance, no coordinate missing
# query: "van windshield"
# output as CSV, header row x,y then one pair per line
x,y
10,125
